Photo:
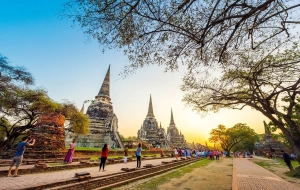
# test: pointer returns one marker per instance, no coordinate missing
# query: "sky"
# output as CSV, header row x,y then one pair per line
x,y
70,66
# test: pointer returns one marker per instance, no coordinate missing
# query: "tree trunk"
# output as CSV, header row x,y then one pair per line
x,y
294,142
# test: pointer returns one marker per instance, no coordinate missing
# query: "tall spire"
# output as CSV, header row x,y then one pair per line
x,y
82,109
172,119
160,125
150,109
104,90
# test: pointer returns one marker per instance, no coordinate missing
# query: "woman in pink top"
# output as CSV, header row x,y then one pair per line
x,y
70,153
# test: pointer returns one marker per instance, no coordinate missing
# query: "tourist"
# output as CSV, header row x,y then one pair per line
x,y
18,157
125,154
176,153
209,155
217,155
70,153
138,155
287,160
104,155
293,156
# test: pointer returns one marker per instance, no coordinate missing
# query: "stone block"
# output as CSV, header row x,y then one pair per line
x,y
128,169
83,175
148,166
40,166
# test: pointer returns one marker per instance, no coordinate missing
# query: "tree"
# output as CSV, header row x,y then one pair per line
x,y
238,53
231,137
20,107
269,85
165,32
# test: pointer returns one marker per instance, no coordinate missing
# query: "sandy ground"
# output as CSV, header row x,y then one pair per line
x,y
215,176
279,170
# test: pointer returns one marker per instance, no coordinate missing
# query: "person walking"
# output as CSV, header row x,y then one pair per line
x,y
18,157
217,155
287,160
104,155
125,154
70,153
138,155
176,153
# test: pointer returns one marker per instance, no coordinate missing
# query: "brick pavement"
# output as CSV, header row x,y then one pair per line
x,y
249,176
30,180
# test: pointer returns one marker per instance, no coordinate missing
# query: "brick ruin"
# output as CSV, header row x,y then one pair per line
x,y
49,134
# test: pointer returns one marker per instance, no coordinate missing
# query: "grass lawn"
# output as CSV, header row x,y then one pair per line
x,y
117,156
152,184
57,164
98,149
270,166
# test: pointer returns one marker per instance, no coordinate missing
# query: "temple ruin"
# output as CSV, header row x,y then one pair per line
x,y
175,137
103,121
150,132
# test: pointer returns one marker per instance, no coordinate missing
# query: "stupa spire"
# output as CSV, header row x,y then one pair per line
x,y
160,125
172,119
82,109
150,109
104,90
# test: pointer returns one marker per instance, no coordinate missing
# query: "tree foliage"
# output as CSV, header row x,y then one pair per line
x,y
165,32
238,53
228,138
21,106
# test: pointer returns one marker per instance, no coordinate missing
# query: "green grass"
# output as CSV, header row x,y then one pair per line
x,y
98,149
267,165
264,164
86,148
117,156
152,184
57,164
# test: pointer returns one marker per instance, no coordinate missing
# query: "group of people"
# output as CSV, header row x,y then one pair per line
x,y
210,154
104,155
18,156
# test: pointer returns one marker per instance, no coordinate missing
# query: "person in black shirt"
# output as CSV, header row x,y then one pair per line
x,y
287,160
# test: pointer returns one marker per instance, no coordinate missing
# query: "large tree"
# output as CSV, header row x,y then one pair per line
x,y
228,138
21,106
165,32
238,53
269,85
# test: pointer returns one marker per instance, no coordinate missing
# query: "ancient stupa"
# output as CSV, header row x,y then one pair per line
x,y
103,121
150,132
175,137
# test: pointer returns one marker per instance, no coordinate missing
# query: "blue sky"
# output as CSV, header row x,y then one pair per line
x,y
71,66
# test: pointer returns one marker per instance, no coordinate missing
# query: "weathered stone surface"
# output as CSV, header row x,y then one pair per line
x,y
83,175
150,132
103,121
40,166
175,138
148,166
49,134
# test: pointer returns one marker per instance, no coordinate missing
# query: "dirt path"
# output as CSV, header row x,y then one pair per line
x,y
216,175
